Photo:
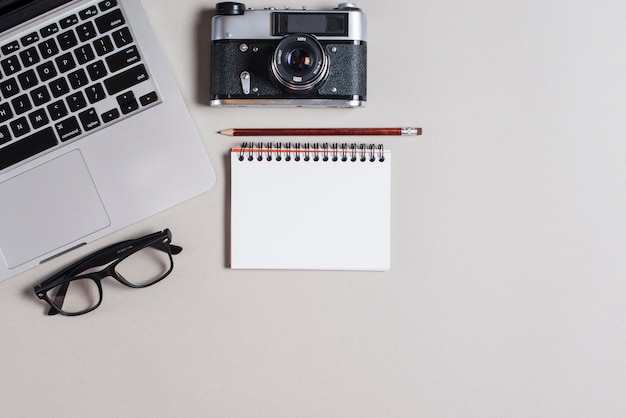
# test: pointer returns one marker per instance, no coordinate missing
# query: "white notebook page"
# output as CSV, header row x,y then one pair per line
x,y
328,215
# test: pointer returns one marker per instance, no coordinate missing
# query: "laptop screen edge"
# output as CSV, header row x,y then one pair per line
x,y
16,12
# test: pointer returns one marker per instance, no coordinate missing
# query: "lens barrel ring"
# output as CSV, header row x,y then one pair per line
x,y
299,62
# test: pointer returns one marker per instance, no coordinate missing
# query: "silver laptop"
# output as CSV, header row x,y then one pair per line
x,y
94,134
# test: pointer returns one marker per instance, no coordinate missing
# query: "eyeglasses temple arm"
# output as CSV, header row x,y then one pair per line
x,y
111,252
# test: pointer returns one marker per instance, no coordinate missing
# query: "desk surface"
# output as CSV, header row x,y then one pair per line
x,y
506,292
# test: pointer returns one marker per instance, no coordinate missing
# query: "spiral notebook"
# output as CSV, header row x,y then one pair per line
x,y
312,207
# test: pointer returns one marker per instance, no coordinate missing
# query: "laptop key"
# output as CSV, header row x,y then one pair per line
x,y
103,45
126,79
86,31
21,104
46,71
95,93
89,119
5,135
149,98
49,30
65,62
48,48
88,12
57,110
76,101
84,54
27,147
123,59
10,47
10,65
67,40
110,21
97,70
29,57
19,127
31,38
5,112
9,88
59,87
122,37
68,128
78,79
38,118
68,21
27,79
110,115
128,102
107,4
40,95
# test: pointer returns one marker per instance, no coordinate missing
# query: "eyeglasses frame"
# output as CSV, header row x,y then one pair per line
x,y
110,256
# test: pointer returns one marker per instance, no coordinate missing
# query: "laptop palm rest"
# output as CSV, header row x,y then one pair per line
x,y
36,222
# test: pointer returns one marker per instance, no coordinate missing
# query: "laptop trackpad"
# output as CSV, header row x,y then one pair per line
x,y
48,207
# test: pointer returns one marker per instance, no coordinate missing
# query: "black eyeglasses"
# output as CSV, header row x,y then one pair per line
x,y
135,263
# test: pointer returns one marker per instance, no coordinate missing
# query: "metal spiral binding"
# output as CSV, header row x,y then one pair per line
x,y
334,151
269,152
278,154
306,152
297,148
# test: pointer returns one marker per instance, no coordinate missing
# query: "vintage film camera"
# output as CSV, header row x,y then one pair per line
x,y
288,57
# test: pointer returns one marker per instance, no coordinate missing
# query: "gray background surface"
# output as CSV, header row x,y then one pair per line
x,y
506,292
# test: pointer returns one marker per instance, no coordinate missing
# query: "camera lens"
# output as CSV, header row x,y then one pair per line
x,y
299,62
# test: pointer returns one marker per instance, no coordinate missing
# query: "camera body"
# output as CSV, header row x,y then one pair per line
x,y
288,57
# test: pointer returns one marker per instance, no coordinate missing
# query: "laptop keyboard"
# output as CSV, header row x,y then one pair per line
x,y
68,78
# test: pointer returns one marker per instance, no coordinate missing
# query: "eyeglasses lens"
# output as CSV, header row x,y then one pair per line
x,y
76,296
146,266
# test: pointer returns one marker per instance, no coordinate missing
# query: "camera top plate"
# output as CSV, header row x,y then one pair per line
x,y
346,22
